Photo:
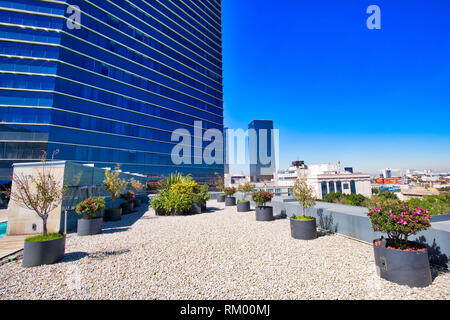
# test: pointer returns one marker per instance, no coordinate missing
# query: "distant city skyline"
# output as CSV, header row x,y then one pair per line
x,y
336,90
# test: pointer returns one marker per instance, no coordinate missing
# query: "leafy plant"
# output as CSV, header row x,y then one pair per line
x,y
188,188
435,204
245,188
203,191
304,194
181,203
398,220
128,196
388,195
41,193
220,185
159,203
230,191
136,185
90,207
173,179
261,197
113,184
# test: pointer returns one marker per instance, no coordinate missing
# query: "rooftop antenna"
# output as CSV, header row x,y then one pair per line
x,y
339,165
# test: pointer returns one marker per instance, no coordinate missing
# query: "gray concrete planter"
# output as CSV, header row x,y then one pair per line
x,y
243,206
264,213
230,201
196,208
89,227
204,208
303,230
410,268
136,203
45,252
160,213
221,198
127,207
112,214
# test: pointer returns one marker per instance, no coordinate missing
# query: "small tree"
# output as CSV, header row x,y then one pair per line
x,y
303,193
245,188
136,185
113,184
220,185
41,193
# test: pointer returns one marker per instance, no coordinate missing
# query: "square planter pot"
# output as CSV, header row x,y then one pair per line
x,y
303,230
264,213
221,198
230,201
88,227
411,268
112,214
45,252
243,206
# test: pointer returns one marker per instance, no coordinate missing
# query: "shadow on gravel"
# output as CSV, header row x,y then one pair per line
x,y
73,256
212,209
127,220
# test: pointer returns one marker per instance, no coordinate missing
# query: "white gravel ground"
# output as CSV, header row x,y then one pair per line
x,y
218,255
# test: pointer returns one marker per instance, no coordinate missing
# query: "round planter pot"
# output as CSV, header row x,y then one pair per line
x,y
230,201
264,213
126,208
136,203
112,214
303,230
410,268
196,208
177,213
160,213
243,206
221,198
203,207
45,252
89,227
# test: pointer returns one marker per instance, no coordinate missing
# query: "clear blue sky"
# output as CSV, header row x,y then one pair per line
x,y
337,90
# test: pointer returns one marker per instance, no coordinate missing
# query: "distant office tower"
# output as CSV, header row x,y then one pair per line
x,y
112,88
262,162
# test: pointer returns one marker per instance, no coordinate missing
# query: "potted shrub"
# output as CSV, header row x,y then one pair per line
x,y
137,186
128,205
244,205
220,186
229,199
114,185
203,190
41,193
92,208
197,201
263,212
158,204
178,204
303,227
397,259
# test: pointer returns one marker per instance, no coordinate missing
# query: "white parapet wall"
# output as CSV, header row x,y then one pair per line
x,y
25,221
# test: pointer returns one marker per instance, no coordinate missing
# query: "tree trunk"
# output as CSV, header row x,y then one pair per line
x,y
303,210
44,224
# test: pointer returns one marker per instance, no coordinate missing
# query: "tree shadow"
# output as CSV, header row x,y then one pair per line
x,y
127,220
73,256
434,252
326,222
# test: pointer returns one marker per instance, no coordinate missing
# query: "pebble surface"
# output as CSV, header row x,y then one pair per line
x,y
221,254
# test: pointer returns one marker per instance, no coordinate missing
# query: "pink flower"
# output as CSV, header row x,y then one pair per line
x,y
426,218
392,216
378,228
378,209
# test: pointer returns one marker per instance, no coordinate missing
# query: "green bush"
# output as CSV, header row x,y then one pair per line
x,y
349,199
91,207
436,204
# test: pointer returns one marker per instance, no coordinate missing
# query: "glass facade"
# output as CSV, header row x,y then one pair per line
x,y
113,90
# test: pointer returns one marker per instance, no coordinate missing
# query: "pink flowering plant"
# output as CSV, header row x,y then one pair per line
x,y
128,196
398,220
261,197
229,191
91,207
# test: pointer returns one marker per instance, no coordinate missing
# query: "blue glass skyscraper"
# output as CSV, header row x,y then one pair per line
x,y
112,88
